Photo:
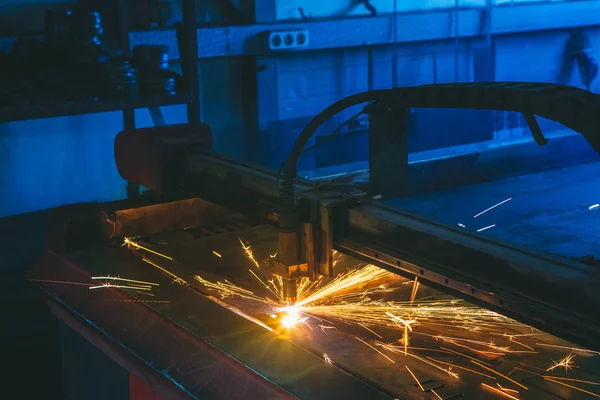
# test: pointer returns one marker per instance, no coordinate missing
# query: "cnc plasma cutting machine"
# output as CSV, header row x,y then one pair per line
x,y
340,286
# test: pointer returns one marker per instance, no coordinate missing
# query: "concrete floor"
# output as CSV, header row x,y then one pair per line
x,y
549,211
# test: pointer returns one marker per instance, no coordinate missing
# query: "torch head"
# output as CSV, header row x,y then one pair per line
x,y
290,291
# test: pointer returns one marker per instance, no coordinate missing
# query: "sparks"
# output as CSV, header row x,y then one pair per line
x,y
175,278
415,378
498,391
485,228
593,206
571,380
132,244
499,374
572,387
566,363
344,283
248,249
413,295
217,254
291,317
227,289
372,347
108,285
112,278
327,359
492,207
575,349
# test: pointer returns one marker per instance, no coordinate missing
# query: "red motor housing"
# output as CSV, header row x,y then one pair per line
x,y
144,155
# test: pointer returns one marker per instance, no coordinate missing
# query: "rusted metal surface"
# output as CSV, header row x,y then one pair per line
x,y
164,217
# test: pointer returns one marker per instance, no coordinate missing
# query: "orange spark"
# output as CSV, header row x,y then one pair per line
x,y
498,391
130,243
566,362
414,377
499,374
359,339
572,387
249,252
176,279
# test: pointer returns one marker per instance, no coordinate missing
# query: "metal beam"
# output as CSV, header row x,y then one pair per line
x,y
228,41
549,292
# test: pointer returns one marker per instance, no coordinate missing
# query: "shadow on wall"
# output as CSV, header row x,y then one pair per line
x,y
50,162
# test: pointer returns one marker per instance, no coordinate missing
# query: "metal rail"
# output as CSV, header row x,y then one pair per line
x,y
552,293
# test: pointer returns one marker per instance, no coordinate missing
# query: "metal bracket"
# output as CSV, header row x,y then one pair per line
x,y
388,149
535,129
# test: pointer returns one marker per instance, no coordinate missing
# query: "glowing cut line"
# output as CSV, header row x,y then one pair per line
x,y
112,278
492,207
566,362
239,312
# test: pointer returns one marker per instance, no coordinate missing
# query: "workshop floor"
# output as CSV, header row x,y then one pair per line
x,y
548,211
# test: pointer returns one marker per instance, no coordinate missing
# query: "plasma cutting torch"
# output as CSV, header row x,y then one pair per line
x,y
314,219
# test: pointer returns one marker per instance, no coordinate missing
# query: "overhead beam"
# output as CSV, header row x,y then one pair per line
x,y
228,41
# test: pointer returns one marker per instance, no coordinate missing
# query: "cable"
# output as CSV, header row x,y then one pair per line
x,y
334,133
326,140
370,7
290,165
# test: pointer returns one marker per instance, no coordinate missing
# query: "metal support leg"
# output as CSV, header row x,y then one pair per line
x,y
388,150
189,59
157,116
133,189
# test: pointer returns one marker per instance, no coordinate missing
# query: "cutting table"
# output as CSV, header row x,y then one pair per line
x,y
195,261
